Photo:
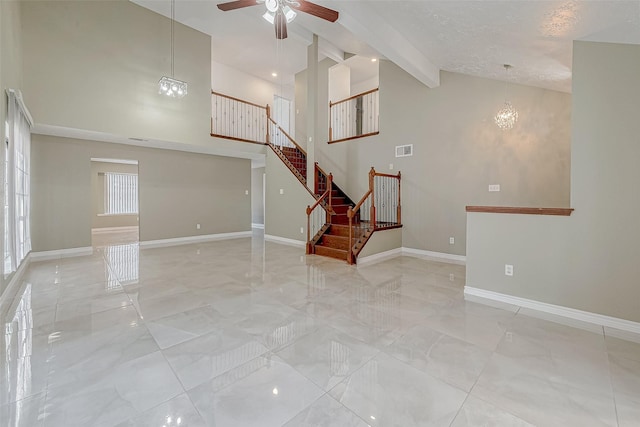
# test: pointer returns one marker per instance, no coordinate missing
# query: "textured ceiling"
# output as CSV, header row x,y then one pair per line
x,y
470,37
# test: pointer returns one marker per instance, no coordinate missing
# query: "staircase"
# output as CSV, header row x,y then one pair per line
x,y
337,227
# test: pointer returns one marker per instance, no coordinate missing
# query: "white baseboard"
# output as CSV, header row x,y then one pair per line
x,y
435,256
194,239
381,256
61,253
254,225
284,240
126,229
15,280
557,310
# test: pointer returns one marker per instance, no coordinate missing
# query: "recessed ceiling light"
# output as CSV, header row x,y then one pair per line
x,y
274,74
374,59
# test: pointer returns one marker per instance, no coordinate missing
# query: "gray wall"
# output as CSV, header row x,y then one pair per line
x,y
284,213
257,196
98,220
589,260
177,191
459,151
95,65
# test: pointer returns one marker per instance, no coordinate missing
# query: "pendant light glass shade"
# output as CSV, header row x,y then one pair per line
x,y
508,115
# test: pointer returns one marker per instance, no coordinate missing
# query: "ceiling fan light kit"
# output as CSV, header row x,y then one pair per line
x,y
283,12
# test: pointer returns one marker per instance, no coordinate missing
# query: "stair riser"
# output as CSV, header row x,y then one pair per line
x,y
338,230
336,242
340,209
330,252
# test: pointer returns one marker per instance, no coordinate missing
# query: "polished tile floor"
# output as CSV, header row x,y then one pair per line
x,y
251,333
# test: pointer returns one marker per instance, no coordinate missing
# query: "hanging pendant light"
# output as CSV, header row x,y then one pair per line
x,y
508,115
171,86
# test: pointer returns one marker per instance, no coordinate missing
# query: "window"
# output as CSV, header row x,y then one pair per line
x,y
17,235
120,193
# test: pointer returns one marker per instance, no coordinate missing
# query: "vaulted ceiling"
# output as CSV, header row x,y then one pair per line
x,y
421,36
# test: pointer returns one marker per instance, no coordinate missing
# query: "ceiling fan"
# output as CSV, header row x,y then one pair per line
x,y
281,12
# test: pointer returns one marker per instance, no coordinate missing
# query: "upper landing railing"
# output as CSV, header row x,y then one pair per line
x,y
234,118
354,117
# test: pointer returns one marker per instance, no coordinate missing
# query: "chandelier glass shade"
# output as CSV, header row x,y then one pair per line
x,y
507,116
172,87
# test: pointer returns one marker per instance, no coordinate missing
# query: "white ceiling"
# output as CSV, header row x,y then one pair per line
x,y
422,36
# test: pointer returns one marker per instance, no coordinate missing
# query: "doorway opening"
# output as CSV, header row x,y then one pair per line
x,y
115,207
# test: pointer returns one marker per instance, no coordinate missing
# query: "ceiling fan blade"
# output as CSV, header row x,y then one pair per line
x,y
316,10
237,4
280,24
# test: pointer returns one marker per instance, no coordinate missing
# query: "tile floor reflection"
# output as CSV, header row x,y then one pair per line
x,y
252,333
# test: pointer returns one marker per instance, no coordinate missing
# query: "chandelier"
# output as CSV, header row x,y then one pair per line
x,y
508,115
171,86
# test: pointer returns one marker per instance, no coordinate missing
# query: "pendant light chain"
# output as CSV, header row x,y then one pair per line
x,y
173,18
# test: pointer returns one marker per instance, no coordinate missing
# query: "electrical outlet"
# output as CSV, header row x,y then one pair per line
x,y
301,230
509,336
246,192
390,166
452,240
508,270
282,191
494,187
197,226
452,277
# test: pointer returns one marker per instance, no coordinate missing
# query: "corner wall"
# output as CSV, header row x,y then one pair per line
x,y
285,214
587,261
177,190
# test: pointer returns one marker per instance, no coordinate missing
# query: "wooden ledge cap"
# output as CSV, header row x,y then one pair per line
x,y
521,210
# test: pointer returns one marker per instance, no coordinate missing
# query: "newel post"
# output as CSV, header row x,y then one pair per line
x,y
329,188
399,199
268,110
309,246
350,250
372,214
330,122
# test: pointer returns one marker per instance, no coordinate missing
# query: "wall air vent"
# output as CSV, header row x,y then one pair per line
x,y
404,150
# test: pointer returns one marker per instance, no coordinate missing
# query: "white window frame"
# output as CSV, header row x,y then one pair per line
x,y
17,233
120,193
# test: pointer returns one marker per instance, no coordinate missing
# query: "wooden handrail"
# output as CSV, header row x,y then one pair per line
x,y
288,136
387,175
353,97
328,210
358,205
320,169
237,99
326,194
